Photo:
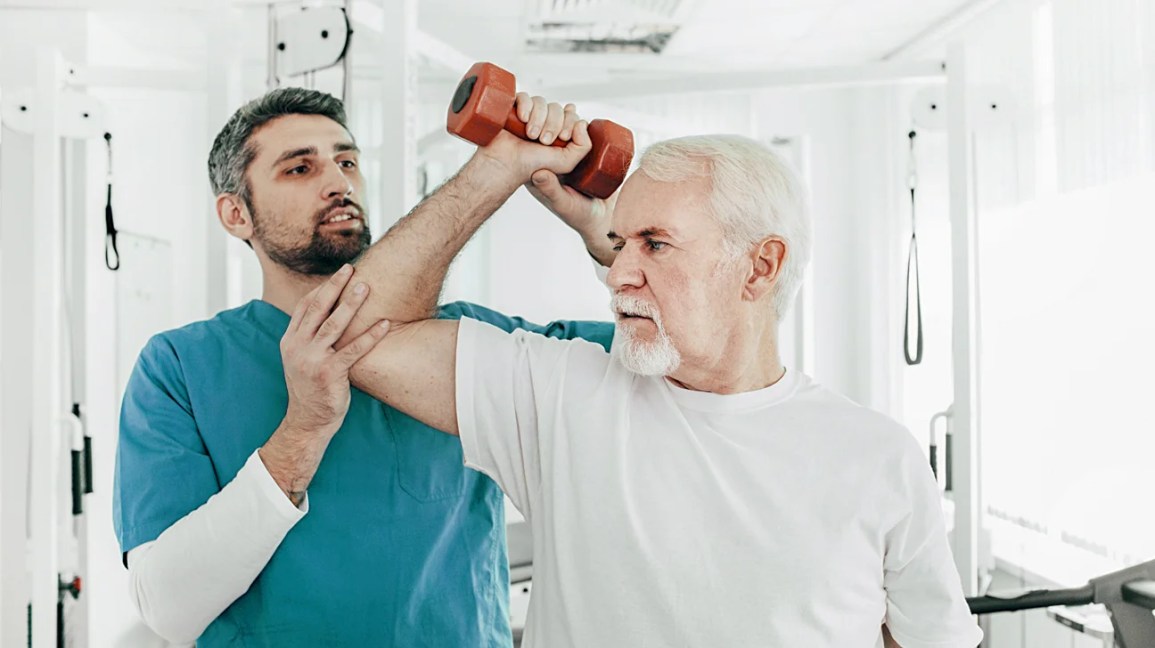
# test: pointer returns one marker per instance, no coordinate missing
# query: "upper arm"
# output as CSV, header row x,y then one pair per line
x,y
413,369
163,470
925,604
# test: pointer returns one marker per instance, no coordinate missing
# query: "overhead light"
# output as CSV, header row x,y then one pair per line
x,y
618,26
562,37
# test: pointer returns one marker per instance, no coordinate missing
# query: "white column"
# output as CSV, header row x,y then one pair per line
x,y
48,410
398,176
964,422
222,268
76,263
16,259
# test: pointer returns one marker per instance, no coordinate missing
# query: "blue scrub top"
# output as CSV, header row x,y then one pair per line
x,y
402,546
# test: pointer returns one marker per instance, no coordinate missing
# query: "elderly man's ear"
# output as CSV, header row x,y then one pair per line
x,y
766,266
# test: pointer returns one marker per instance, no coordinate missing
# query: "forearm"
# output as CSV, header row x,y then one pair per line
x,y
291,457
188,576
414,370
406,268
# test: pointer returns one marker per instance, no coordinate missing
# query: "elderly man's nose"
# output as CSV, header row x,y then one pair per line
x,y
624,272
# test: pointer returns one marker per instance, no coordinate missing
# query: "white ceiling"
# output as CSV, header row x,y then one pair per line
x,y
714,34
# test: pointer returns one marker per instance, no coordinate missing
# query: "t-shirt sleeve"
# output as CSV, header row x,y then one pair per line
x,y
508,396
925,605
163,470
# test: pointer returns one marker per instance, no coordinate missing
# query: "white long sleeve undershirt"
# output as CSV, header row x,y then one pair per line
x,y
188,576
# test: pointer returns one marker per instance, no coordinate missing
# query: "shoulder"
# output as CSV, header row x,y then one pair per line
x,y
598,333
236,322
860,427
195,340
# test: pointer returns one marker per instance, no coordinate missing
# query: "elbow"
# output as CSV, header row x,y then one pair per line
x,y
167,621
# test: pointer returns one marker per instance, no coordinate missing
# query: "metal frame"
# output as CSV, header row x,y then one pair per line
x,y
47,407
872,74
963,420
398,120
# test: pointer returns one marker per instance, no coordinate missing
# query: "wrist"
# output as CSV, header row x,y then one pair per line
x,y
600,249
291,456
491,173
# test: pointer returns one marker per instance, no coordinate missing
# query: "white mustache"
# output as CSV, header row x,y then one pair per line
x,y
634,306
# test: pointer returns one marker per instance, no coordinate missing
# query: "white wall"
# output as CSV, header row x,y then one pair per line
x,y
852,141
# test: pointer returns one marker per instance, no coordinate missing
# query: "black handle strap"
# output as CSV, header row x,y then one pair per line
x,y
912,267
111,254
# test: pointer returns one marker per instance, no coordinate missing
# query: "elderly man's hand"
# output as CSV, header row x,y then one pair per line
x,y
545,123
589,217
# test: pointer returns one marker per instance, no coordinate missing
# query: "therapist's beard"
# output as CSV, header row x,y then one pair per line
x,y
323,254
657,357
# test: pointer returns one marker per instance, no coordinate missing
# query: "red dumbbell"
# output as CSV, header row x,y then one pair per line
x,y
483,105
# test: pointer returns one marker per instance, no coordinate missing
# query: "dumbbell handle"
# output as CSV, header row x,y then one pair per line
x,y
514,125
484,104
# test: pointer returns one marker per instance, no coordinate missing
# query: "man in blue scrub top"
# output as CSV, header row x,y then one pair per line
x,y
259,500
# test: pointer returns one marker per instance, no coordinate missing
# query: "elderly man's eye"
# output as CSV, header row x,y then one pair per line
x,y
656,245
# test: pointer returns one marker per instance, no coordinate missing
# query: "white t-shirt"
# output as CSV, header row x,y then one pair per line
x,y
787,516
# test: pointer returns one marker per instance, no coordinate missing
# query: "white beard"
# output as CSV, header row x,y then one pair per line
x,y
656,358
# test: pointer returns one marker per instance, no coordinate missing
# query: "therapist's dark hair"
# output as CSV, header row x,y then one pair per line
x,y
232,152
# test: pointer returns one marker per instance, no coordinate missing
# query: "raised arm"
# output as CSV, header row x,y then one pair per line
x,y
406,268
413,369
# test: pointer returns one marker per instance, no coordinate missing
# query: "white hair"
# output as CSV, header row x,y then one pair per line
x,y
754,194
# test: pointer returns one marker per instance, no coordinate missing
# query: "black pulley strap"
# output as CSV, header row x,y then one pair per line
x,y
912,266
111,254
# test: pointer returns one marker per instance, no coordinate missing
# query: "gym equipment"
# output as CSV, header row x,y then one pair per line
x,y
1128,594
483,105
307,41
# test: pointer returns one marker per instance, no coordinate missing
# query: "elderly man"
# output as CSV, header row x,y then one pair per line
x,y
684,489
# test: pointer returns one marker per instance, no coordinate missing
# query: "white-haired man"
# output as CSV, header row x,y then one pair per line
x,y
684,489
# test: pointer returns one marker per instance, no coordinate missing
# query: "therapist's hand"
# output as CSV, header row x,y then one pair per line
x,y
317,374
317,378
